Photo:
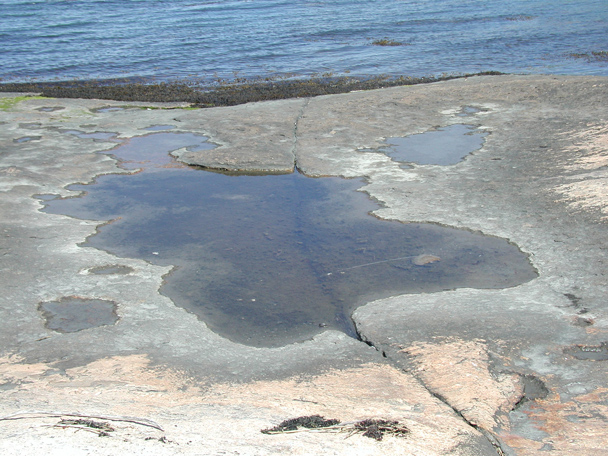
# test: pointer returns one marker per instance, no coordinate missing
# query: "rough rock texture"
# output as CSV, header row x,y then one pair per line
x,y
204,417
458,371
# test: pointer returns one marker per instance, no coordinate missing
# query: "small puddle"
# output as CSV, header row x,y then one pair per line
x,y
272,260
152,150
468,111
444,146
72,314
534,388
27,139
111,269
589,352
51,108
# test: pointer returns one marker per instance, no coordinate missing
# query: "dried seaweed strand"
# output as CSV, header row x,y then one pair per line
x,y
44,414
99,432
334,428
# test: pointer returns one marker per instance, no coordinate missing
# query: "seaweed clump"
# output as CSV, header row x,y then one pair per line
x,y
388,42
308,422
100,428
372,428
375,429
520,17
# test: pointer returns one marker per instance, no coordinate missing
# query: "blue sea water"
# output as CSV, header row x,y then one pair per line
x,y
187,39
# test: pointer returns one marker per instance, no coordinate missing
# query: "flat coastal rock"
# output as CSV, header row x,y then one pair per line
x,y
518,370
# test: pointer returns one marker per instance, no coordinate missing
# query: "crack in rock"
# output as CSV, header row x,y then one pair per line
x,y
294,146
455,372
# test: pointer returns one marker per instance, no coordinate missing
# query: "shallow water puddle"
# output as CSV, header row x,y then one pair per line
x,y
111,269
73,314
270,260
589,352
27,139
445,146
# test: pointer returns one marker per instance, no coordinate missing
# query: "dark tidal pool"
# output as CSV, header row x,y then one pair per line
x,y
272,260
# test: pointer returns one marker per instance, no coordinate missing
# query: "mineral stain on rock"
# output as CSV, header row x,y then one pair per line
x,y
269,260
73,314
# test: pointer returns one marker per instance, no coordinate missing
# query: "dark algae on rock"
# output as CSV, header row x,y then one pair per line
x,y
222,93
308,422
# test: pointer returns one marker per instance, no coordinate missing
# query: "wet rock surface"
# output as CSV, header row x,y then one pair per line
x,y
467,371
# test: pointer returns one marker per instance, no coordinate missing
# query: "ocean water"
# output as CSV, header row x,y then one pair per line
x,y
205,40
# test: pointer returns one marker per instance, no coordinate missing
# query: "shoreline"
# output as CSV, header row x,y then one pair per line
x,y
223,93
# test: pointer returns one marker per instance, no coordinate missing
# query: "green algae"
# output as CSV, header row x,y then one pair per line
x,y
8,103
